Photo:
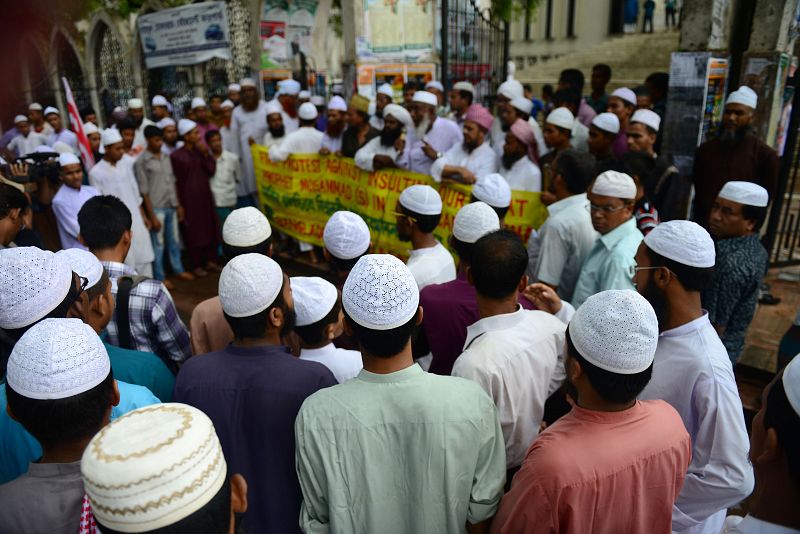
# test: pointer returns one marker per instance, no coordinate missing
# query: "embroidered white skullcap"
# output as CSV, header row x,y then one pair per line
x,y
198,102
62,148
464,86
246,82
647,117
318,100
474,221
304,94
249,284
400,113
791,383
346,235
289,87
32,283
50,109
625,94
337,103
523,104
166,121
90,128
35,107
273,106
153,467
615,184
608,122
111,136
56,359
435,84
313,297
745,193
246,227
185,126
307,111
20,118
494,190
68,158
380,293
42,149
386,89
425,97
561,117
234,87
83,263
616,330
135,103
511,89
685,242
743,95
159,100
227,104
422,199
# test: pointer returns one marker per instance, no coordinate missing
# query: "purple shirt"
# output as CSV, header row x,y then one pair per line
x,y
448,309
620,145
586,113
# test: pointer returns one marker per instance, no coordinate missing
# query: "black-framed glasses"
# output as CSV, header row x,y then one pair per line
x,y
84,283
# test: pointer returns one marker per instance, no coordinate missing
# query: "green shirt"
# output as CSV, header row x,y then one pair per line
x,y
402,452
141,368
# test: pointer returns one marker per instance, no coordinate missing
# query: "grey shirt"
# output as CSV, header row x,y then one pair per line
x,y
47,499
156,179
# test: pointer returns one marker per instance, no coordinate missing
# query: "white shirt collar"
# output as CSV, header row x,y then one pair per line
x,y
495,322
423,251
567,203
692,326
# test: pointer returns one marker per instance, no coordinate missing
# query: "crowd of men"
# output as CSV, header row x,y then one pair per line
x,y
581,381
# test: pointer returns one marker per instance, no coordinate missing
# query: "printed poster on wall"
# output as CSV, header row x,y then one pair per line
x,y
285,31
398,30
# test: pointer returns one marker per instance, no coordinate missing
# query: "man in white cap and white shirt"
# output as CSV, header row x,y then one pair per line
x,y
346,237
110,177
431,135
69,199
567,482
248,126
437,88
622,103
332,137
378,419
460,99
169,131
504,115
692,372
288,91
736,153
557,135
60,132
26,141
384,97
276,131
226,112
523,107
493,189
473,158
187,475
95,140
418,211
305,140
736,219
602,133
160,108
38,123
136,113
234,93
391,148
608,265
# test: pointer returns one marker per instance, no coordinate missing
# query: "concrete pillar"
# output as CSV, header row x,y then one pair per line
x,y
349,30
198,81
771,23
705,25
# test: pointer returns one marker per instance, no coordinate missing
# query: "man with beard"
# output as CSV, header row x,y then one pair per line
x,y
256,378
602,132
248,126
288,91
735,154
234,93
473,159
169,132
387,151
622,103
692,372
508,90
359,132
461,98
275,129
136,114
384,97
306,140
332,138
160,108
517,166
431,136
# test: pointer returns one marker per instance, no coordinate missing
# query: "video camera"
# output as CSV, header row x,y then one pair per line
x,y
40,165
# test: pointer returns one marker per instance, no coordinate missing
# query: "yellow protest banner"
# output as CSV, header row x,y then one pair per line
x,y
300,194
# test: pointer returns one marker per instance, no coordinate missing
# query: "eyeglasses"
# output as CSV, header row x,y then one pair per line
x,y
633,269
606,209
407,216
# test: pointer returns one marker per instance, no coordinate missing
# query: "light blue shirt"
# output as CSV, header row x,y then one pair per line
x,y
608,264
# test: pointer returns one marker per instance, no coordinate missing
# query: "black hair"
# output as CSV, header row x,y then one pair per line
x,y
604,69
410,85
780,415
255,326
11,198
576,168
230,251
126,124
59,312
102,220
574,78
152,131
464,250
310,122
642,90
755,214
466,95
691,278
640,166
341,265
86,111
212,97
501,212
99,288
383,343
426,223
570,97
612,387
54,421
547,89
499,261
210,134
659,81
314,334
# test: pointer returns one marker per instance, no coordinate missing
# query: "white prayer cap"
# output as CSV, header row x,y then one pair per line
x,y
234,87
523,104
198,102
464,86
68,158
246,227
111,136
337,103
159,100
33,282
386,89
474,221
425,97
608,122
422,199
380,293
313,298
346,235
615,184
166,121
289,87
246,82
617,331
318,100
62,147
494,190
307,111
791,383
20,118
625,94
83,263
185,126
90,128
35,107
511,89
647,117
685,242
561,117
745,193
50,109
273,106
400,113
227,104
153,467
745,96
135,103
57,359
249,284
306,95
434,84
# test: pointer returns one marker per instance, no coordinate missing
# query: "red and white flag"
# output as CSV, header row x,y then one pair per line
x,y
77,127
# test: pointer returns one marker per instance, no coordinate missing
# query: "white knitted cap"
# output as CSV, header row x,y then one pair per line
x,y
159,100
249,284
435,84
56,359
561,117
494,190
166,121
380,293
745,193
246,227
246,82
234,87
185,126
400,113
83,263
337,103
90,128
227,104
386,89
313,298
615,184
346,235
32,283
68,158
307,111
273,106
111,136
474,221
422,199
511,89
304,95
50,109
318,100
523,104
464,86
625,94
608,122
35,107
20,118
647,117
686,242
198,102
425,97
616,330
135,103
153,467
743,95
791,383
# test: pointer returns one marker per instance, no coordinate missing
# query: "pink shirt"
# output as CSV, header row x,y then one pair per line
x,y
602,472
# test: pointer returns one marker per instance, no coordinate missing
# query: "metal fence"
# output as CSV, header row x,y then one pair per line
x,y
113,71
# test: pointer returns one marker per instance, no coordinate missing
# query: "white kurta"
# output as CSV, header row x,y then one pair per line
x,y
580,137
498,137
269,140
306,140
344,364
247,125
376,122
692,372
432,265
442,136
289,123
22,146
64,136
223,183
67,202
373,148
139,138
524,175
334,144
480,162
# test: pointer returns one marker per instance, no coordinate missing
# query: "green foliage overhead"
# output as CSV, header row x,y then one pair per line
x,y
511,10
